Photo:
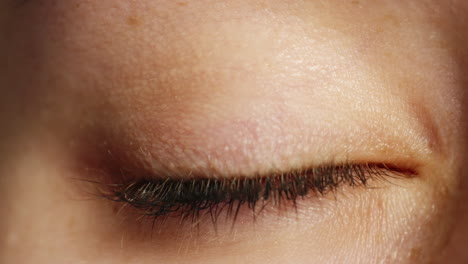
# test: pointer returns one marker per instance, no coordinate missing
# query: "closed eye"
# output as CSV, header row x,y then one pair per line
x,y
191,198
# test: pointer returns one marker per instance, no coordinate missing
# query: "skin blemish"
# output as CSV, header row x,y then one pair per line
x,y
133,21
181,3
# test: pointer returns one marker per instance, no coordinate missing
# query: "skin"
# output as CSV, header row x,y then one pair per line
x,y
226,88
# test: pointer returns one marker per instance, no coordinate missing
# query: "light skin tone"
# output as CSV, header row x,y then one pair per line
x,y
226,88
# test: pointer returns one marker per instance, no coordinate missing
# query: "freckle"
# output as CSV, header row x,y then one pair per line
x,y
355,2
182,3
77,5
391,19
133,21
379,204
71,223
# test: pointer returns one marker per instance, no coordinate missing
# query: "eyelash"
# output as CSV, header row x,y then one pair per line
x,y
189,198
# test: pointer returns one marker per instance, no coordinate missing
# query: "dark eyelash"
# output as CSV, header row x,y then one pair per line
x,y
188,198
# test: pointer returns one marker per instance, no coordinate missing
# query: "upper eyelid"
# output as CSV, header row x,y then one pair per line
x,y
220,149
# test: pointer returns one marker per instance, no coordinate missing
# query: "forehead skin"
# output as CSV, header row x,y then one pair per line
x,y
236,87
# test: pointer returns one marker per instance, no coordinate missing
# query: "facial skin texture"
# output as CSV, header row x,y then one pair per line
x,y
228,88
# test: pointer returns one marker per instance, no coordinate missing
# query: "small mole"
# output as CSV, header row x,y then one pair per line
x,y
77,5
133,21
